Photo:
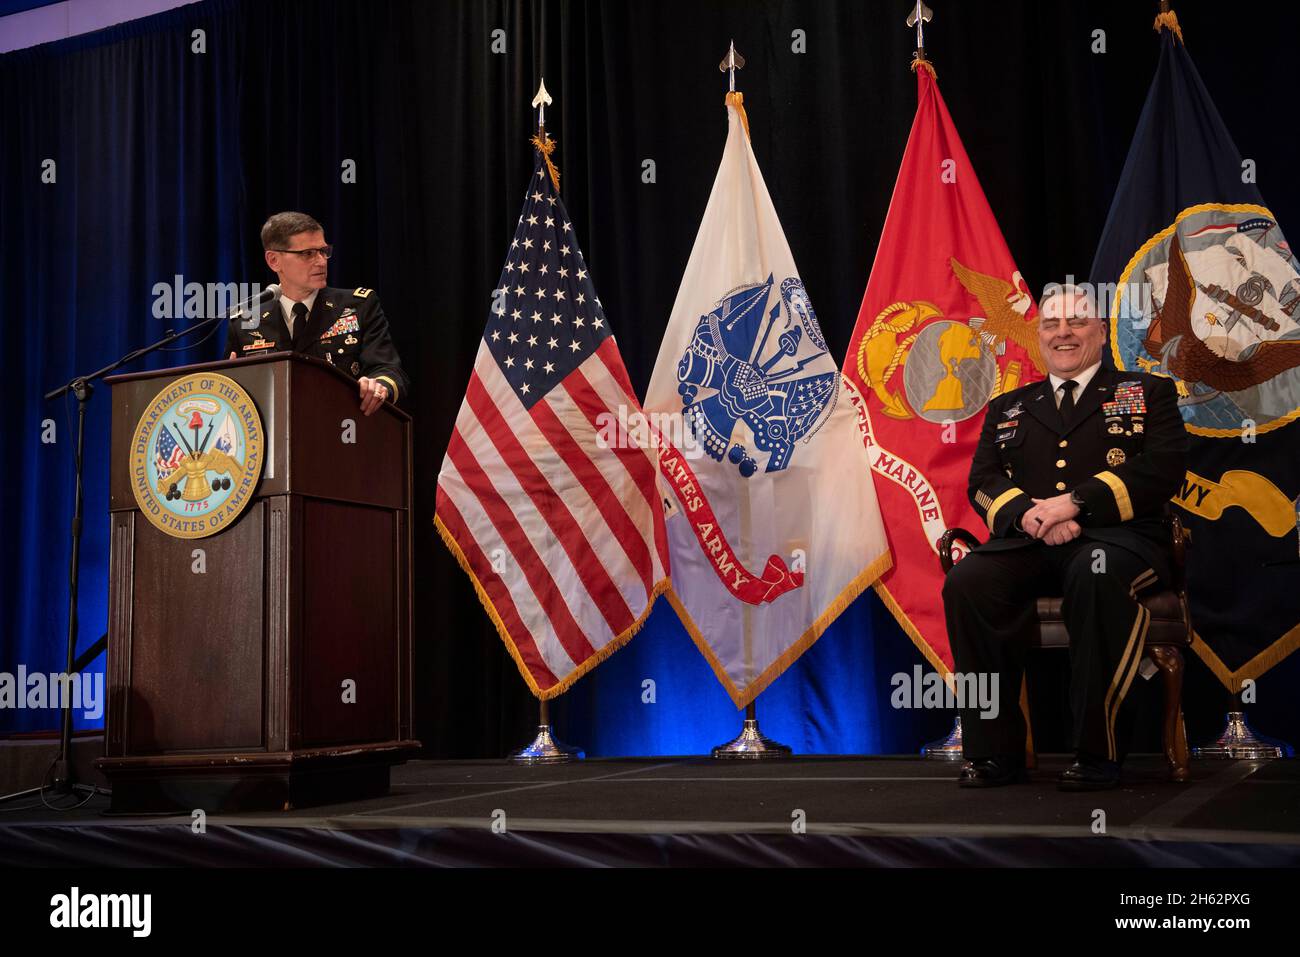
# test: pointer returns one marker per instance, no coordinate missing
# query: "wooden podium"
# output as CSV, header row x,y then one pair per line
x,y
228,685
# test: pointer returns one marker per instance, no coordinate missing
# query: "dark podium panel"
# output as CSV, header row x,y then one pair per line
x,y
227,688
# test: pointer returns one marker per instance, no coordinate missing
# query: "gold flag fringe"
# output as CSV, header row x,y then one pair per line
x,y
919,62
737,99
1168,20
1252,669
546,694
546,146
741,697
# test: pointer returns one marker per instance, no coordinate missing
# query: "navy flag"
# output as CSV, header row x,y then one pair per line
x,y
1205,292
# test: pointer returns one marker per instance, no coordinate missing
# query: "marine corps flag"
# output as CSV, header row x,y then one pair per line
x,y
946,324
773,526
559,528
1206,292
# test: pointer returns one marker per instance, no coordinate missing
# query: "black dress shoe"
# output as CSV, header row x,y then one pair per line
x,y
992,772
1089,774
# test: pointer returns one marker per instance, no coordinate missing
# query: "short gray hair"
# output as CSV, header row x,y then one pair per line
x,y
280,228
1056,290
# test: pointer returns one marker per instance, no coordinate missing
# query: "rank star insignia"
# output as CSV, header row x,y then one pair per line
x,y
1115,457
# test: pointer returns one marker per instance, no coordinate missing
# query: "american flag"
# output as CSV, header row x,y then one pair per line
x,y
167,453
564,540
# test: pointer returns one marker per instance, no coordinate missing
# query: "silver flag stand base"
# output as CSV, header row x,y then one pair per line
x,y
751,744
1238,741
945,749
544,749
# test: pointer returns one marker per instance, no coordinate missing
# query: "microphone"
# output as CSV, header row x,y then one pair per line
x,y
251,319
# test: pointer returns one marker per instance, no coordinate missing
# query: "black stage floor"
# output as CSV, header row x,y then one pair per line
x,y
810,811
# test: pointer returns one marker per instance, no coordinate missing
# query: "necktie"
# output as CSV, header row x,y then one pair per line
x,y
299,330
1067,400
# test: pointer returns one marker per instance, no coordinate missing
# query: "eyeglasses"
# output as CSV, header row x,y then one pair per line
x,y
308,254
1076,322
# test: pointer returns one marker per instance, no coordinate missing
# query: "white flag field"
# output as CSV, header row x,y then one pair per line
x,y
773,523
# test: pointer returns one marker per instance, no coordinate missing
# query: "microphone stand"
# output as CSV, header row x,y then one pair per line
x,y
81,388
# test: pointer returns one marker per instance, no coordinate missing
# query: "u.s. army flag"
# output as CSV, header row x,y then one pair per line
x,y
773,523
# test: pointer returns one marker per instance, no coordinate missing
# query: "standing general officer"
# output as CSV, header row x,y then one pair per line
x,y
1072,476
345,328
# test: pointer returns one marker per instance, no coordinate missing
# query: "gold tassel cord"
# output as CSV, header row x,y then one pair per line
x,y
546,146
1168,20
737,99
919,62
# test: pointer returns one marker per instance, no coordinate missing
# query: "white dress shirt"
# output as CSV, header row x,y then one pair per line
x,y
287,305
1083,378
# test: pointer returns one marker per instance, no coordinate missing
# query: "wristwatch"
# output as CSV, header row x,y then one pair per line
x,y
1080,504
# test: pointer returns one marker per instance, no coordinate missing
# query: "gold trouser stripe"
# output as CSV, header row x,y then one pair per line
x,y
391,384
1120,491
1128,663
1141,582
998,502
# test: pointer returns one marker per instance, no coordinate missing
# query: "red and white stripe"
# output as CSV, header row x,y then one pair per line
x,y
566,538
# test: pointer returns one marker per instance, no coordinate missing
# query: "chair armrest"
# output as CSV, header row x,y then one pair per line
x,y
949,537
1178,535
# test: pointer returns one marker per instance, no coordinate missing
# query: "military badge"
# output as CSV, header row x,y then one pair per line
x,y
196,485
341,325
356,368
351,340
1129,400
1115,457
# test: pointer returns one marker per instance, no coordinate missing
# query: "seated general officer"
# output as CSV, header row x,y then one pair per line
x,y
1072,475
345,328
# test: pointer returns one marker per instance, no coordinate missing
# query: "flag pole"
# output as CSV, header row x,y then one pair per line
x,y
948,748
545,748
751,743
918,18
1238,741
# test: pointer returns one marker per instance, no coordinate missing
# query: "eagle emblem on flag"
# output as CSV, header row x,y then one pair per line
x,y
752,378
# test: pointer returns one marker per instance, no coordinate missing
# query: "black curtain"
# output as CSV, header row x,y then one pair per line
x,y
168,160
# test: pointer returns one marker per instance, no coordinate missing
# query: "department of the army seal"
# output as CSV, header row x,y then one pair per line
x,y
196,455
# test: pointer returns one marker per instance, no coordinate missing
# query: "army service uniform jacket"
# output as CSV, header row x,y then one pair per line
x,y
1124,453
345,328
